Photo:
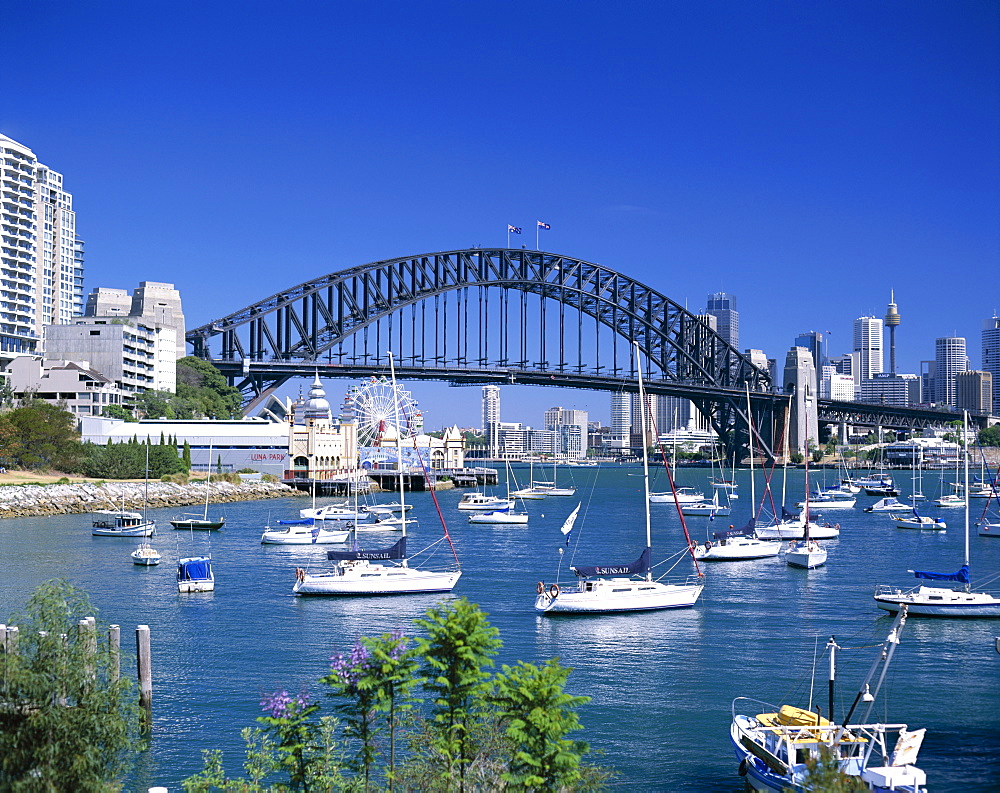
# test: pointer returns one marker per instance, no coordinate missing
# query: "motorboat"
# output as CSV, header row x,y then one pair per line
x,y
950,501
145,555
915,521
118,523
776,745
194,574
499,516
306,531
606,589
684,495
889,504
340,511
806,554
482,501
735,545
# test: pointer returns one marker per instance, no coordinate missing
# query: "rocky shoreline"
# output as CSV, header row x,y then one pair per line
x,y
25,501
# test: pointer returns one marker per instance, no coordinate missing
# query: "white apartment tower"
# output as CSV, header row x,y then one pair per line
x,y
491,416
867,348
991,357
621,419
41,259
949,360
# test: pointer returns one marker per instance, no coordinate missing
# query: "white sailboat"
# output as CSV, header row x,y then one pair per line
x,y
383,571
809,554
503,515
604,589
939,601
707,509
194,573
201,522
529,493
547,488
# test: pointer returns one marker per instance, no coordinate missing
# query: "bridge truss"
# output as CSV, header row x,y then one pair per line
x,y
487,316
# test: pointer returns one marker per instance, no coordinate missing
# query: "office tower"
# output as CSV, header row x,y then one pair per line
x,y
927,377
570,427
491,415
896,390
867,347
621,419
757,357
991,357
949,360
40,257
159,305
834,385
974,391
892,322
722,306
812,341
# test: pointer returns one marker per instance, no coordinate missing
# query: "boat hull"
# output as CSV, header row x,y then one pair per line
x,y
614,596
376,580
797,531
502,518
142,530
938,602
194,574
145,558
295,538
197,524
806,558
989,530
738,550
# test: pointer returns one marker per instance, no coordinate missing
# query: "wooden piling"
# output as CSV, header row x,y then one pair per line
x,y
87,636
12,634
145,675
115,651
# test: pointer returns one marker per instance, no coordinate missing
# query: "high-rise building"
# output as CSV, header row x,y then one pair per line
x,y
491,416
896,390
974,391
867,349
991,357
154,304
570,427
621,420
834,385
722,306
812,341
949,360
41,259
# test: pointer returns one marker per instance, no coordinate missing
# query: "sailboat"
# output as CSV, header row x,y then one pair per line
x,y
810,553
145,555
552,488
988,528
382,571
707,508
529,493
604,589
938,601
201,522
307,531
504,514
122,523
774,744
194,573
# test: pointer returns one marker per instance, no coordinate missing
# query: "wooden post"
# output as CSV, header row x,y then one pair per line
x,y
145,675
3,638
87,636
115,650
12,633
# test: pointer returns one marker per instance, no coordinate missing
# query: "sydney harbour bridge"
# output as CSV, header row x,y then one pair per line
x,y
510,316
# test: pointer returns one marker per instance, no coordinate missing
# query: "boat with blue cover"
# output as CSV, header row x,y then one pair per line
x,y
194,574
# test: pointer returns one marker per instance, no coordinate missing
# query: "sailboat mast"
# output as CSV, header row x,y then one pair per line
x,y
208,482
645,456
961,446
399,443
753,486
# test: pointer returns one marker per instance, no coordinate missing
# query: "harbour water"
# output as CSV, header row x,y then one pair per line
x,y
661,683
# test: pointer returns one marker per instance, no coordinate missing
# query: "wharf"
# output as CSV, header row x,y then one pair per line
x,y
388,480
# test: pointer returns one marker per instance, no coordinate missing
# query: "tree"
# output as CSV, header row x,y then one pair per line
x,y
203,391
459,646
539,715
154,404
990,436
67,723
39,434
118,412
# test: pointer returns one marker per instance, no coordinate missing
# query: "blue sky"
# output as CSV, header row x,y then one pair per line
x,y
806,157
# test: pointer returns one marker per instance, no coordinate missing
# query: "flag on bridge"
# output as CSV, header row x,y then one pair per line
x,y
543,225
513,229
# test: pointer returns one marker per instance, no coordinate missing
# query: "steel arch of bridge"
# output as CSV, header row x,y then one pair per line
x,y
320,323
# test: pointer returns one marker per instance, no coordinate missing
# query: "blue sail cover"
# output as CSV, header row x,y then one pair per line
x,y
639,567
962,576
300,522
397,551
745,531
786,515
197,569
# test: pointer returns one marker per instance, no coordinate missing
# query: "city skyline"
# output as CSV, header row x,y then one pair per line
x,y
809,164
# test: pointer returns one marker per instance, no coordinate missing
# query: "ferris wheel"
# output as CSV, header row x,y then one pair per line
x,y
376,406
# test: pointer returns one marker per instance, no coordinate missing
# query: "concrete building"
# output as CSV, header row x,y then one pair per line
x,y
974,391
135,356
415,451
75,386
799,377
152,303
835,385
991,357
867,349
757,357
41,259
254,443
570,427
897,390
949,360
319,447
722,306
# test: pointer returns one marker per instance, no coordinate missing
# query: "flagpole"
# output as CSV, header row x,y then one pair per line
x,y
536,235
508,235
